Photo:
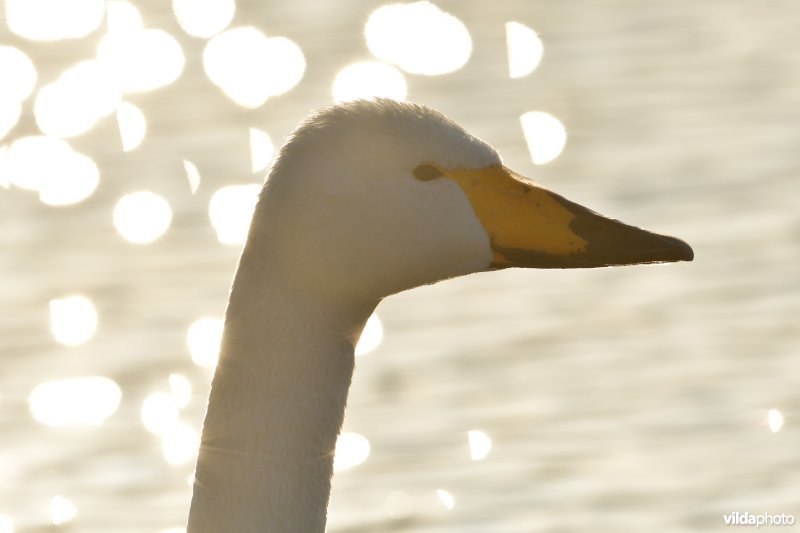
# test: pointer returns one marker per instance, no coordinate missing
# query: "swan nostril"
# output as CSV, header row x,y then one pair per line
x,y
427,173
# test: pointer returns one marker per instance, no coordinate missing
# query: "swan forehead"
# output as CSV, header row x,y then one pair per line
x,y
385,134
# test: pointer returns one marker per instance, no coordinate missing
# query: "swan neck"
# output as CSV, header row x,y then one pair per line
x,y
275,410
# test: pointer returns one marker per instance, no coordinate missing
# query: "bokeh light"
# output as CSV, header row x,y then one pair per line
x,y
369,79
525,49
371,336
398,505
61,510
73,320
249,67
203,18
204,338
544,134
6,524
50,166
123,17
10,112
181,389
23,164
5,182
79,180
159,412
74,103
192,175
19,74
446,499
479,444
138,58
261,149
231,211
132,126
50,20
180,443
774,420
19,79
352,449
86,401
418,37
142,217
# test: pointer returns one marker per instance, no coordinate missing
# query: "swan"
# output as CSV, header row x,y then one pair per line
x,y
366,199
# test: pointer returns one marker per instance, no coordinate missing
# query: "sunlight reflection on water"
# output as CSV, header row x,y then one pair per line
x,y
231,210
545,135
142,217
132,126
6,524
181,389
63,20
371,336
249,67
261,149
180,443
446,498
123,17
203,339
418,37
525,49
73,320
479,445
62,510
50,166
140,59
81,96
192,175
203,18
352,449
19,79
774,420
5,180
10,111
398,505
159,412
84,401
369,79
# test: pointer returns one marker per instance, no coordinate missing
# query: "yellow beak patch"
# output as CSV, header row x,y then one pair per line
x,y
529,226
517,214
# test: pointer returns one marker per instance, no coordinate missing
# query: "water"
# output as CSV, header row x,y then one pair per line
x,y
630,399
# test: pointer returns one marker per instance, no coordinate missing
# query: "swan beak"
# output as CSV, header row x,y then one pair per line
x,y
529,226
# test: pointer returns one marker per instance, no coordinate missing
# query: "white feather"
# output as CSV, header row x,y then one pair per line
x,y
341,223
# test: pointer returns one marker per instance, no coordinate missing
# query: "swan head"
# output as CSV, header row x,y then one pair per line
x,y
370,198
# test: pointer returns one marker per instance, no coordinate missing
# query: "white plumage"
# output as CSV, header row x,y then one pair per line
x,y
366,199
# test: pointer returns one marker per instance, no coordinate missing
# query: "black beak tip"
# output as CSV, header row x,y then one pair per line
x,y
688,252
681,250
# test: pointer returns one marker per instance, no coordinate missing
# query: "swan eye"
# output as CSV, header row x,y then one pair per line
x,y
427,173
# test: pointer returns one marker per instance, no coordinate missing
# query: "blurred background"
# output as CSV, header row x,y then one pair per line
x,y
135,135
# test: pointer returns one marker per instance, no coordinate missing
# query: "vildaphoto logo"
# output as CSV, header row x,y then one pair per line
x,y
745,518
